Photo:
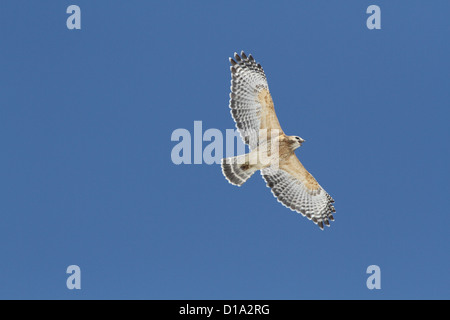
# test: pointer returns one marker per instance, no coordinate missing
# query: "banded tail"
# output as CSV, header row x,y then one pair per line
x,y
237,170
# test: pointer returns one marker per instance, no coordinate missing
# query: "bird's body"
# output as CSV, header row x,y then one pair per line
x,y
272,151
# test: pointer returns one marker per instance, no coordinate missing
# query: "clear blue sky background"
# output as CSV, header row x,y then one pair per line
x,y
86,176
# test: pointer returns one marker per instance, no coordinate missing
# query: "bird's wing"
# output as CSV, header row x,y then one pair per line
x,y
250,100
297,189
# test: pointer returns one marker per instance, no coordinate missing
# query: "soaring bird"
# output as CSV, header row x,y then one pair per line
x,y
253,111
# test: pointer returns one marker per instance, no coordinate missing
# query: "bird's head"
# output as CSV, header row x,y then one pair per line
x,y
296,141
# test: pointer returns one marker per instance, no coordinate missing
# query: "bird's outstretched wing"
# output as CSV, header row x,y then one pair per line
x,y
250,100
297,189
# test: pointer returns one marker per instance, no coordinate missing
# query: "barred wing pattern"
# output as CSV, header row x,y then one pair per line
x,y
250,100
300,192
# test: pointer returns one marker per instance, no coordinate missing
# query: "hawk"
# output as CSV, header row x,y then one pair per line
x,y
253,111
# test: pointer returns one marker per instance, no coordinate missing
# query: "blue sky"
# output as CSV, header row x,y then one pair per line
x,y
86,176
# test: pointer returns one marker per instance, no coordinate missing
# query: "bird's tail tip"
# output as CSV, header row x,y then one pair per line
x,y
236,170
